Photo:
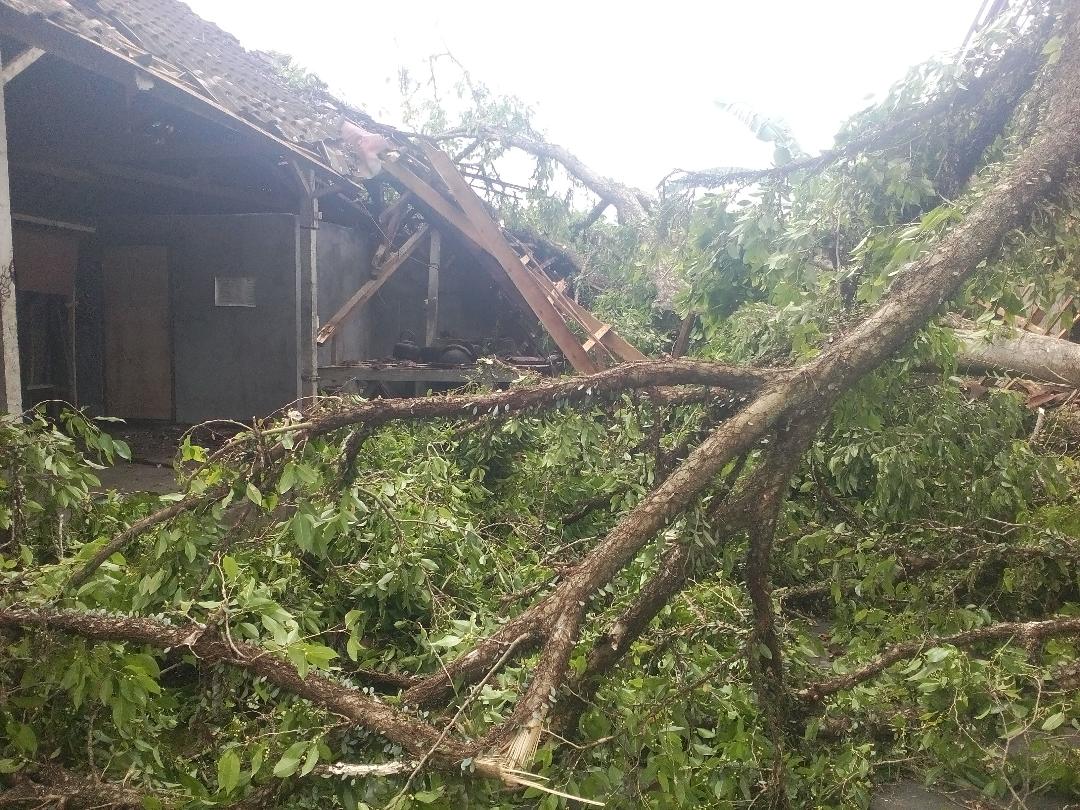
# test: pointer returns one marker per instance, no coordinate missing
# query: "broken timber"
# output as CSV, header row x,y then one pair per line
x,y
511,265
386,269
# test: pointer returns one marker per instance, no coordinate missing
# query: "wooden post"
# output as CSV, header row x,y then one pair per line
x,y
307,347
10,378
433,289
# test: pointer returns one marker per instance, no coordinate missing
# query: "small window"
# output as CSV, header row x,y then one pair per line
x,y
234,291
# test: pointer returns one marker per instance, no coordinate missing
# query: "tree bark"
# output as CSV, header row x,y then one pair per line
x,y
626,200
1038,356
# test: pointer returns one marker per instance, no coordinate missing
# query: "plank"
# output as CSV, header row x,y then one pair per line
x,y
611,340
370,287
19,63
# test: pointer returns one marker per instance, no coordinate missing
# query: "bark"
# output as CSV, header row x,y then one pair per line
x,y
627,201
1028,634
411,734
1038,356
52,786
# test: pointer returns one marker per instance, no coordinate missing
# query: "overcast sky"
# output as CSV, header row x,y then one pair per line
x,y
629,86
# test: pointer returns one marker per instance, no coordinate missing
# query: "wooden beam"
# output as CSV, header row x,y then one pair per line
x,y
434,256
10,377
53,223
425,193
494,242
122,177
361,296
20,63
436,204
609,338
391,211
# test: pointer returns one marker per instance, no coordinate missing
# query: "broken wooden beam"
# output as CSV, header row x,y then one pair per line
x,y
369,288
432,304
492,240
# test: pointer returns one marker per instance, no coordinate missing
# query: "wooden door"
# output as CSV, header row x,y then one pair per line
x,y
138,345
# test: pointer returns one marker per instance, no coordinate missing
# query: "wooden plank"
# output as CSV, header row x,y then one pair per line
x,y
432,199
494,242
19,63
10,376
436,204
432,327
597,337
138,350
611,340
369,288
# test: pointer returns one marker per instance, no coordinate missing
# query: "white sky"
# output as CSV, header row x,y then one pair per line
x,y
628,86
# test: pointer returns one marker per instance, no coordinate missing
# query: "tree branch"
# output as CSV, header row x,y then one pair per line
x,y
627,200
1027,633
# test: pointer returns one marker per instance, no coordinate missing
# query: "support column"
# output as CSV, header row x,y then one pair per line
x,y
434,258
307,347
10,378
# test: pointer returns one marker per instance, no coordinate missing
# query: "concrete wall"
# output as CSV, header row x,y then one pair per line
x,y
228,362
343,257
469,305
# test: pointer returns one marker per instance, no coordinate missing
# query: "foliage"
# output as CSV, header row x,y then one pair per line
x,y
917,512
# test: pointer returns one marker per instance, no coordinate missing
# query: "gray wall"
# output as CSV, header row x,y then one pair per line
x,y
469,306
228,362
343,257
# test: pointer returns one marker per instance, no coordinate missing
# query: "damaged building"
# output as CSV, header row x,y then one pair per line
x,y
187,237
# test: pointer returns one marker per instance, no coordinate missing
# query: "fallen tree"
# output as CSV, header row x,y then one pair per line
x,y
309,511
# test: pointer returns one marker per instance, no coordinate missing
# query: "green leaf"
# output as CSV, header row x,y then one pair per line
x,y
319,655
1053,721
254,495
229,566
446,642
8,766
310,761
290,760
23,737
288,478
228,771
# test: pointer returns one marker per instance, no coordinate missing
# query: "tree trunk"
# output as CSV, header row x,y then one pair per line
x,y
1038,356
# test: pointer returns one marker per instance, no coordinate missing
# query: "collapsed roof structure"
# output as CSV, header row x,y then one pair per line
x,y
122,111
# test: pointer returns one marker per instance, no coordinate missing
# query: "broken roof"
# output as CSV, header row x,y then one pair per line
x,y
164,47
169,40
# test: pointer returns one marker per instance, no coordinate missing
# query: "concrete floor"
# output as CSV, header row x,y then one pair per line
x,y
138,477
